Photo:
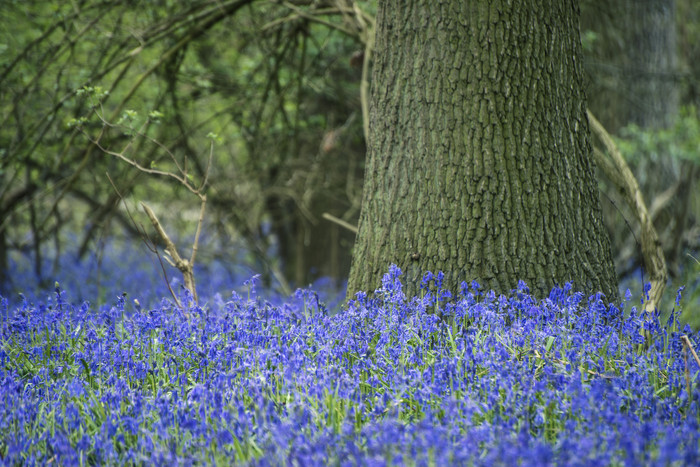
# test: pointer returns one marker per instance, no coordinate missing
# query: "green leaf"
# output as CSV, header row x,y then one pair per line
x,y
86,367
155,116
548,345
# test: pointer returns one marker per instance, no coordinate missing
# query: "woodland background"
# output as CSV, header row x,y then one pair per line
x,y
263,101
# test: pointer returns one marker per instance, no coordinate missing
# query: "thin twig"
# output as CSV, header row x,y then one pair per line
x,y
689,344
687,373
150,244
200,221
182,179
340,222
686,347
299,13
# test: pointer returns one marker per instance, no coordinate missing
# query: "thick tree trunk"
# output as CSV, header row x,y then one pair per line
x,y
479,156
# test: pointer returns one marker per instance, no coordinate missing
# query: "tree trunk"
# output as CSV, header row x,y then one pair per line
x,y
635,80
652,87
4,262
650,61
479,155
633,62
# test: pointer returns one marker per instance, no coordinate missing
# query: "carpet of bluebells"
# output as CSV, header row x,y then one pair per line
x,y
467,377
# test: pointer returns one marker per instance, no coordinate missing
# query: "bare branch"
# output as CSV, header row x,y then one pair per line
x,y
619,173
200,221
183,265
150,244
340,222
313,16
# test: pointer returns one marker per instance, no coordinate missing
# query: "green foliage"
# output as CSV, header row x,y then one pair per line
x,y
588,40
268,82
672,153
681,141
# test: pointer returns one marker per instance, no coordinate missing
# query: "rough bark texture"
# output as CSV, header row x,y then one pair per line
x,y
479,156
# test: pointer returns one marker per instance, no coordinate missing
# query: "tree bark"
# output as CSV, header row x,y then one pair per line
x,y
636,80
4,262
479,159
633,62
650,62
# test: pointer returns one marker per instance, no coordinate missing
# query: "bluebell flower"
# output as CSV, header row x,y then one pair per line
x,y
384,380
679,294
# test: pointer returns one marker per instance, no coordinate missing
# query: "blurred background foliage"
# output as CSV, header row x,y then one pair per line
x,y
277,86
642,61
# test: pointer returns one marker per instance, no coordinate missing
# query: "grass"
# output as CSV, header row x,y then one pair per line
x,y
463,378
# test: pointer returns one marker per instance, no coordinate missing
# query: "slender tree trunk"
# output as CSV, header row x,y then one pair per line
x,y
636,80
479,155
632,62
650,62
653,87
4,262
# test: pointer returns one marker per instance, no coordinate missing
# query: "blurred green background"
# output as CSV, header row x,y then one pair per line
x,y
263,101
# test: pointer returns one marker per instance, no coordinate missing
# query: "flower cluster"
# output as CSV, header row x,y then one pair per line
x,y
120,266
460,377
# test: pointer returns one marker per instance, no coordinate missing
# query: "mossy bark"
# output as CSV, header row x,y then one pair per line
x,y
479,159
